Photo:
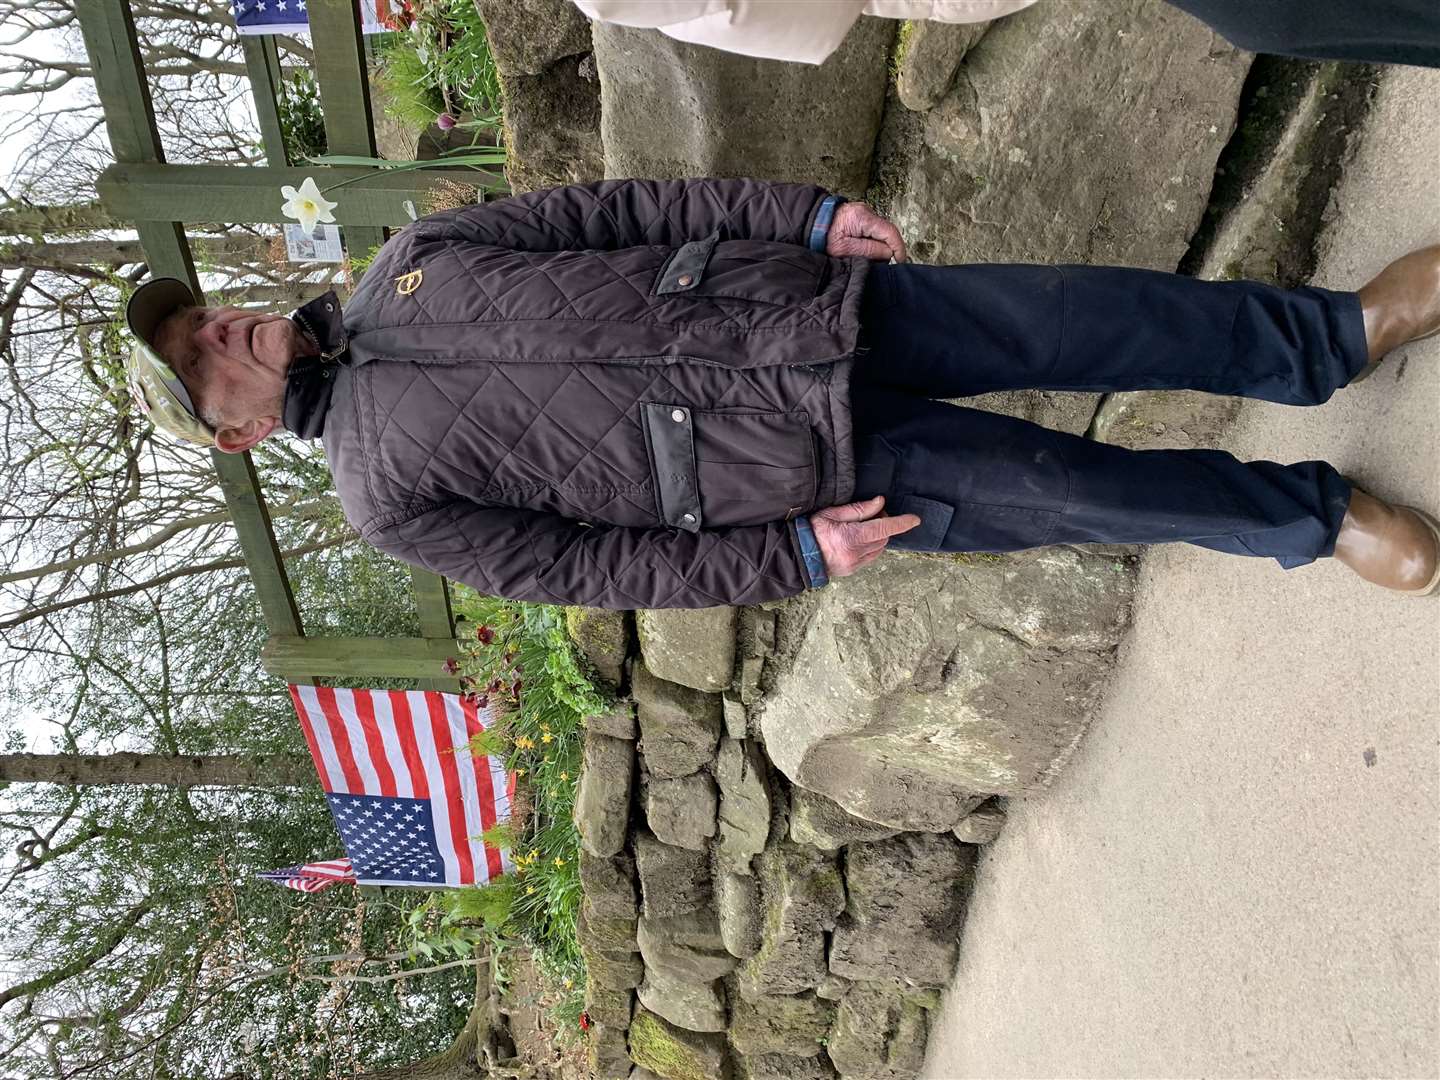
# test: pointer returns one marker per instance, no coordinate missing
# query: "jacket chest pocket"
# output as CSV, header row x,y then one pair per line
x,y
714,467
754,270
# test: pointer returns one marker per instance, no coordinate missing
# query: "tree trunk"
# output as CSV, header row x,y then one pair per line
x,y
19,219
171,770
458,1061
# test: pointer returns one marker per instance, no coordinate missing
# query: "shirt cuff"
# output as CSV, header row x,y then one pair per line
x,y
810,552
820,230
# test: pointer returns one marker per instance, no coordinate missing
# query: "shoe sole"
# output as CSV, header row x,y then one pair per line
x,y
1434,583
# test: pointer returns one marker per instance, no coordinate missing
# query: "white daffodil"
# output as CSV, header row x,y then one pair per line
x,y
307,205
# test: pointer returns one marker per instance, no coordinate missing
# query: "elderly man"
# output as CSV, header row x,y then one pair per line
x,y
689,393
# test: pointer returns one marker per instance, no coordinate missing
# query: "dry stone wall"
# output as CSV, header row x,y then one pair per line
x,y
735,925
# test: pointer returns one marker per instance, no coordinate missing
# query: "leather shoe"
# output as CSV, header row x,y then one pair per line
x,y
1402,304
1397,547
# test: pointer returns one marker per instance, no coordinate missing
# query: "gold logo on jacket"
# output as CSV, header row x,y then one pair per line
x,y
406,284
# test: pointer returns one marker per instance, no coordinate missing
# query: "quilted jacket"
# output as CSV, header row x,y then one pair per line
x,y
617,394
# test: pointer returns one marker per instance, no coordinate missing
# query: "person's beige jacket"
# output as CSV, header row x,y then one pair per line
x,y
803,30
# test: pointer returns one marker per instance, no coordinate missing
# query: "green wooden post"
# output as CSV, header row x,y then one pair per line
x,y
345,95
432,599
350,658
262,64
251,193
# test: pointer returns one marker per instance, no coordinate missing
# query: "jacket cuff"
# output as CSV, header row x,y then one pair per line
x,y
810,553
820,226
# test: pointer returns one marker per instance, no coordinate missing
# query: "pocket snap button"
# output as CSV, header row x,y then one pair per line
x,y
685,279
689,519
678,416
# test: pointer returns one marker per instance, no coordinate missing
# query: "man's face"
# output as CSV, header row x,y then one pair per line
x,y
233,362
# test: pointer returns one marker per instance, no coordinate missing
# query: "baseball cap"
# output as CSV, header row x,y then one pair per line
x,y
156,388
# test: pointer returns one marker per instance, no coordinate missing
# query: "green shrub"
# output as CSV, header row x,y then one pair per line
x,y
301,120
522,662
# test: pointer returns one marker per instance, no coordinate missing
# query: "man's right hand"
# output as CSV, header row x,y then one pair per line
x,y
854,535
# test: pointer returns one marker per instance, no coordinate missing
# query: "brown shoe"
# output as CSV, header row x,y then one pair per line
x,y
1402,304
1397,547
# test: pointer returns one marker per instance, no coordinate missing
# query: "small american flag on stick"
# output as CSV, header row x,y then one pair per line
x,y
409,799
312,877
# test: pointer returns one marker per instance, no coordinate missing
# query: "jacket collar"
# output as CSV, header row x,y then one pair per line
x,y
311,379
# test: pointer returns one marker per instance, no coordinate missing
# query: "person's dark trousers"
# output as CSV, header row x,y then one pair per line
x,y
1376,31
985,482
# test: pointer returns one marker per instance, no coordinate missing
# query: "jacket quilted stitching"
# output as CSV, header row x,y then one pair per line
x,y
488,426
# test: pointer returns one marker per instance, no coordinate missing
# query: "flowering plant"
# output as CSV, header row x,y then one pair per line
x,y
307,205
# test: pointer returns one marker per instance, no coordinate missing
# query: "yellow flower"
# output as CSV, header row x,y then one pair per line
x,y
519,773
524,742
547,738
544,727
529,889
559,861
569,983
564,776
534,853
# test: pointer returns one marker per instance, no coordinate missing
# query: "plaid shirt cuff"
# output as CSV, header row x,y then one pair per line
x,y
810,552
820,231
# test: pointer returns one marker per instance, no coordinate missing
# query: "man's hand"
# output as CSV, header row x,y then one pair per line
x,y
854,535
858,230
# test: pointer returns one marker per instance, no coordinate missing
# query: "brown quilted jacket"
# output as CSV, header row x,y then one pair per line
x,y
616,394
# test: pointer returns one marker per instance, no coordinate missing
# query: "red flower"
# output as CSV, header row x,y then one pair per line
x,y
516,689
482,702
584,1021
450,667
494,687
484,635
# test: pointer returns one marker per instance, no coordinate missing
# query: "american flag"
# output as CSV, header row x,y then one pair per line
x,y
313,877
409,799
291,16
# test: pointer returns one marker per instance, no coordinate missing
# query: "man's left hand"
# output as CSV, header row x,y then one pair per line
x,y
858,230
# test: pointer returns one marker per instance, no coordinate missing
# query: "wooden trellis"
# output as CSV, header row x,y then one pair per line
x,y
161,198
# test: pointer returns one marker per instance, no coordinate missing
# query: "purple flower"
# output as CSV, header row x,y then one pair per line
x,y
445,121
450,667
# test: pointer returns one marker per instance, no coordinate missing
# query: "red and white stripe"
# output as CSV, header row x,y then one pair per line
x,y
318,876
413,744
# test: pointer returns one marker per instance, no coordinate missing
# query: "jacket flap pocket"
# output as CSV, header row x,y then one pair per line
x,y
670,431
687,266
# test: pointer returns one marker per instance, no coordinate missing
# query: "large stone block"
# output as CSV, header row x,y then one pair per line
x,y
686,948
821,823
792,1025
929,52
1079,132
803,894
527,36
783,1067
609,885
737,901
673,881
602,800
611,935
925,682
905,899
552,126
679,727
672,109
675,1053
880,1033
606,1005
617,722
744,803
602,638
606,1053
694,647
682,811
690,1005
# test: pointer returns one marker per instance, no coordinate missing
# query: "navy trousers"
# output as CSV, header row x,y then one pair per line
x,y
984,482
1376,31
